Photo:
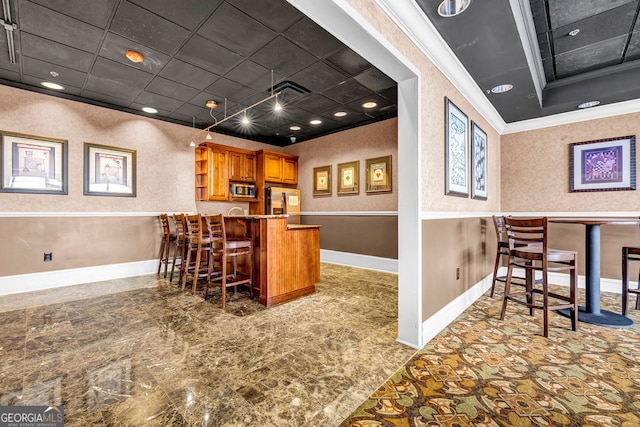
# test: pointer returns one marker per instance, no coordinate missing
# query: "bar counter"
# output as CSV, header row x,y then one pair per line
x,y
286,256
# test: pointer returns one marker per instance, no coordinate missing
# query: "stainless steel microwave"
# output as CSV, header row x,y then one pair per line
x,y
242,190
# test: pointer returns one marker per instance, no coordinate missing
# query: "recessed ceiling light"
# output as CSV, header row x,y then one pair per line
x,y
370,104
50,85
149,110
502,88
54,73
589,104
340,113
295,127
315,122
449,8
134,56
574,32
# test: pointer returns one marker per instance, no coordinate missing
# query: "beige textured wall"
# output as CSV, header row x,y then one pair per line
x,y
376,140
535,168
435,86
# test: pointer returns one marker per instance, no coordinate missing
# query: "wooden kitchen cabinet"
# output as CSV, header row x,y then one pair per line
x,y
242,166
211,173
278,167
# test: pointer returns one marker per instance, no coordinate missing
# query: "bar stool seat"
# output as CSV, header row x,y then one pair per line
x,y
227,250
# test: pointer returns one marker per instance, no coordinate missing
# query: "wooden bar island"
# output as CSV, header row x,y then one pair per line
x,y
286,256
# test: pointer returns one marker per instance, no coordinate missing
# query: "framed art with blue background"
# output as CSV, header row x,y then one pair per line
x,y
478,162
456,131
603,165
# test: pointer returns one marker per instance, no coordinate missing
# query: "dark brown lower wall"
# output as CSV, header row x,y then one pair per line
x,y
75,242
373,235
467,244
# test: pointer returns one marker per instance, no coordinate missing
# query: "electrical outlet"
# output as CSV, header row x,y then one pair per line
x,y
48,256
458,273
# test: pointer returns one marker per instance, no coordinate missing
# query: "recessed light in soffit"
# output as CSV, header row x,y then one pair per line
x,y
502,88
450,8
589,104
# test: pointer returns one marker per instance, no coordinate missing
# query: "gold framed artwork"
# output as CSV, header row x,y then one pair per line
x,y
379,175
348,174
322,181
32,164
109,171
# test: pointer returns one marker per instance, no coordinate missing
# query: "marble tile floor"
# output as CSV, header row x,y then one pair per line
x,y
140,352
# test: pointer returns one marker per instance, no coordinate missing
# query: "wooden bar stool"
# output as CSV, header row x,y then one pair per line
x,y
179,245
528,250
629,253
196,251
167,242
227,250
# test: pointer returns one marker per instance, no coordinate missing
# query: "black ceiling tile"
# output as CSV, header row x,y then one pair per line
x,y
129,76
188,14
144,27
544,43
43,70
235,30
349,61
171,89
275,14
592,57
225,88
51,25
549,69
375,80
55,53
96,13
284,57
538,11
181,117
201,99
139,106
248,73
318,76
564,12
36,80
114,47
191,110
390,94
604,26
113,88
315,102
633,51
208,55
347,91
313,38
188,74
159,102
105,98
352,116
9,75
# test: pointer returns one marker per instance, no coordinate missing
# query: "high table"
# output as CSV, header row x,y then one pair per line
x,y
591,312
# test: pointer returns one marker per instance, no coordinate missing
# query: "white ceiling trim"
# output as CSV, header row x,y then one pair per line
x,y
599,112
412,20
528,37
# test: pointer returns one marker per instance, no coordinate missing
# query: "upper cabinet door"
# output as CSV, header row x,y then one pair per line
x,y
242,167
289,170
272,168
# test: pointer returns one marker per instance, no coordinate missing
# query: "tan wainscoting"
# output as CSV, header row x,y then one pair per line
x,y
75,242
372,235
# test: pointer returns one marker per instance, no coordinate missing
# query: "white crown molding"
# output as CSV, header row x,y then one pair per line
x,y
529,39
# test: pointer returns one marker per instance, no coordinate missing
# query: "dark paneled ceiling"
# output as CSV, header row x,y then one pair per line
x,y
197,50
599,63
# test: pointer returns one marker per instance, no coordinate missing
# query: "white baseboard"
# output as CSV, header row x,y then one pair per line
x,y
361,261
440,320
55,279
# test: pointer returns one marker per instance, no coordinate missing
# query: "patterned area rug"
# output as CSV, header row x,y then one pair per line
x,y
481,371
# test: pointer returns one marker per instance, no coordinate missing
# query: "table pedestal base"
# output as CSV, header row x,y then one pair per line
x,y
604,318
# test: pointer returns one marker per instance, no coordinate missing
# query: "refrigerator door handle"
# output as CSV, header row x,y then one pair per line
x,y
284,203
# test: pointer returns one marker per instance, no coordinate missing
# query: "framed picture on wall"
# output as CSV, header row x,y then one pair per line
x,y
348,174
478,162
379,175
603,165
456,131
322,181
109,171
32,164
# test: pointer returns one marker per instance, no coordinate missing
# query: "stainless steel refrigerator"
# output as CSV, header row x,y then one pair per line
x,y
282,200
